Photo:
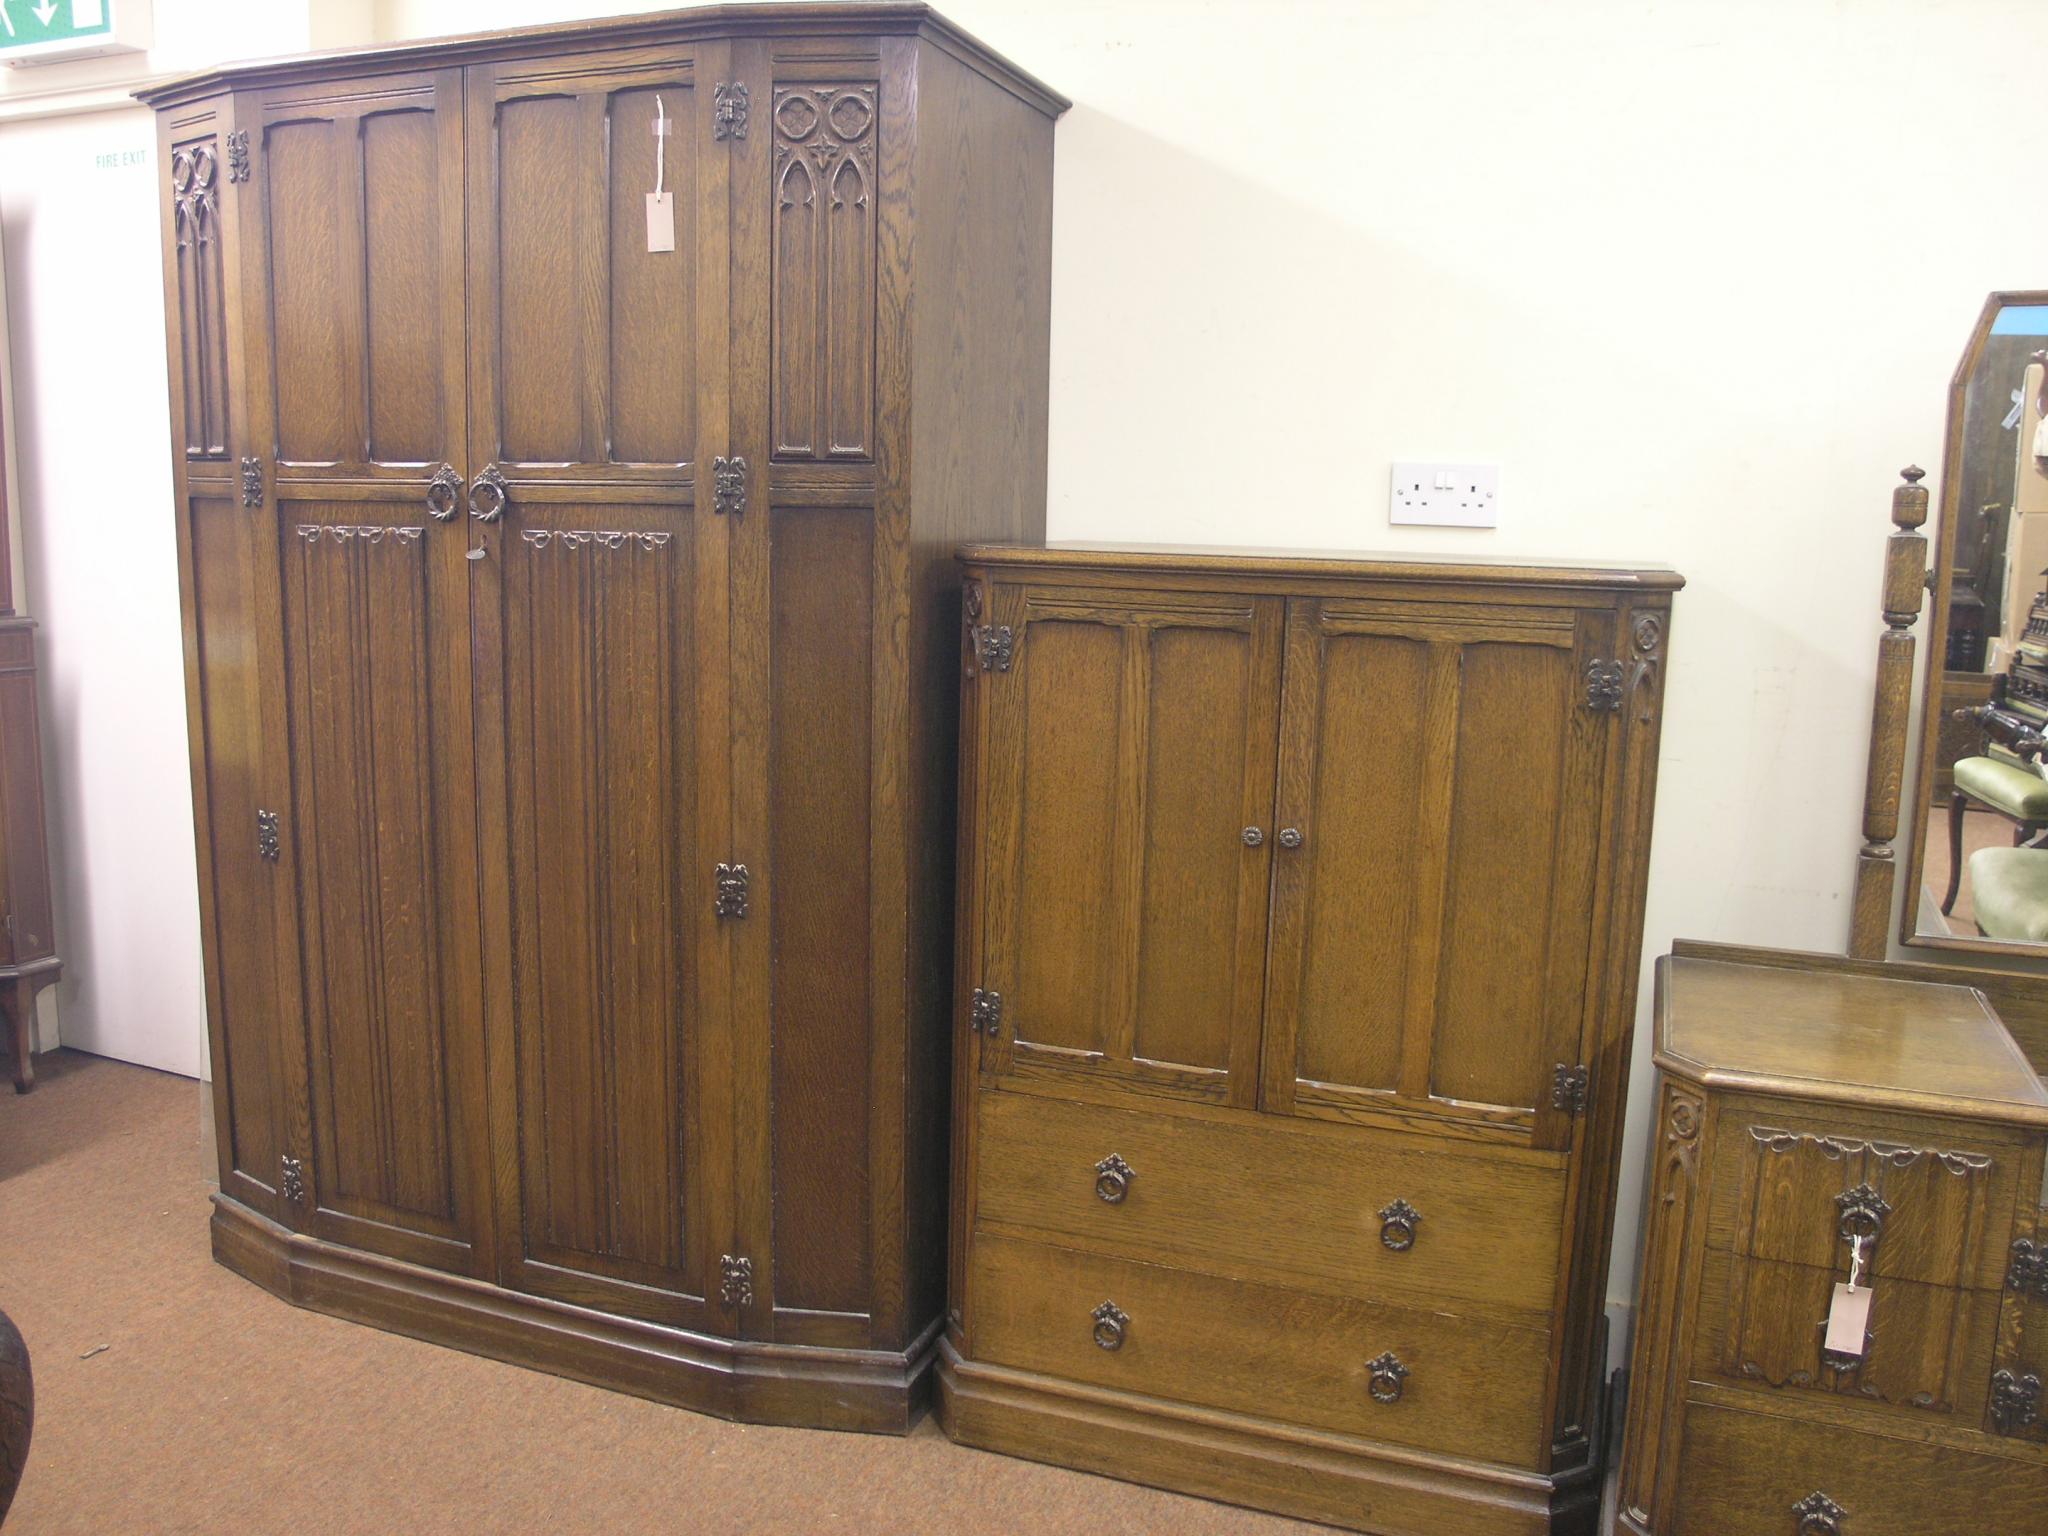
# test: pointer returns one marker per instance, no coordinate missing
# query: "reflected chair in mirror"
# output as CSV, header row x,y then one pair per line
x,y
2011,784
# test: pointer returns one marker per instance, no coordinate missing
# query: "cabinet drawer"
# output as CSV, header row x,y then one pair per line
x,y
1792,1186
1444,1384
1745,1474
1351,1211
1762,1325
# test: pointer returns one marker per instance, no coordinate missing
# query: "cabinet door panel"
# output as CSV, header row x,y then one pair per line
x,y
1132,744
601,639
357,386
1430,933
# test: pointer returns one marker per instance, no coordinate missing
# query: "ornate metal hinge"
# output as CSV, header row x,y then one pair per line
x,y
252,482
732,891
994,646
729,110
1603,685
267,844
1568,1088
729,485
985,1015
1819,1515
736,1285
238,155
2015,1402
291,1178
2029,1271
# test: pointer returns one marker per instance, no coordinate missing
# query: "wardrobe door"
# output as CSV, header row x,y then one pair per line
x,y
820,571
357,389
1443,773
597,391
1128,838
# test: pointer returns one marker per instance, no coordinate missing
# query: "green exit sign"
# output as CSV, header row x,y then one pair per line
x,y
44,31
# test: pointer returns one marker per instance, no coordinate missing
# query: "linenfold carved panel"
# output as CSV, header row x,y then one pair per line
x,y
359,648
824,272
202,315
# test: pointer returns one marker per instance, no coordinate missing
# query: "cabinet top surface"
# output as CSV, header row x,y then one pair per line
x,y
1906,1045
779,17
1209,559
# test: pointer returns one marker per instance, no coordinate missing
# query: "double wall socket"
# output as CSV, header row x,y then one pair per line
x,y
1446,495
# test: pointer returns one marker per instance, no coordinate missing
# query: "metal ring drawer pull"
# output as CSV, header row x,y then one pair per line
x,y
1253,837
1388,1377
492,484
1863,1212
1819,1515
1290,837
1111,1321
444,494
1113,1179
1397,1226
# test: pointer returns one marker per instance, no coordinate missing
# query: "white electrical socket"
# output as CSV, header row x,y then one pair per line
x,y
1446,495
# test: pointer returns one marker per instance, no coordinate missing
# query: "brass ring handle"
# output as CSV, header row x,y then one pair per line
x,y
1113,1179
444,494
1110,1323
1863,1211
492,484
1252,837
1387,1377
1397,1226
1290,837
1819,1515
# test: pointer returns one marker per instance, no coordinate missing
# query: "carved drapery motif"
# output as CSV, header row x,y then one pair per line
x,y
603,538
365,533
824,271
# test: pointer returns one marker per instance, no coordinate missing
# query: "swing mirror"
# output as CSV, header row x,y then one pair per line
x,y
1980,827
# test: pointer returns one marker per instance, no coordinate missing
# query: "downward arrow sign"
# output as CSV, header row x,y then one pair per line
x,y
45,11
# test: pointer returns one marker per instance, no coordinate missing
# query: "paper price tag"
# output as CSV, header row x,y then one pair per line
x,y
1849,1320
661,221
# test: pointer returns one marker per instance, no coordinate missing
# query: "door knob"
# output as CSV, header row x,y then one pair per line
x,y
488,494
1290,837
1253,837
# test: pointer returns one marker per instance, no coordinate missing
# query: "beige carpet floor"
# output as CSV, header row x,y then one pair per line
x,y
173,1397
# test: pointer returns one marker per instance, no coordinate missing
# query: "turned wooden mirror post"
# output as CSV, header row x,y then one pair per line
x,y
1905,579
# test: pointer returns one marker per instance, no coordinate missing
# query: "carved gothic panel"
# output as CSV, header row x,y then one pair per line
x,y
202,314
824,272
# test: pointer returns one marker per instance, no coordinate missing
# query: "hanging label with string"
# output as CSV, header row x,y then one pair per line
x,y
661,203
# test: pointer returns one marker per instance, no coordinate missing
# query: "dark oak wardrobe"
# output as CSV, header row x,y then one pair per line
x,y
571,651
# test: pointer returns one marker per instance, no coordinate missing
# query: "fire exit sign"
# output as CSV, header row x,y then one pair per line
x,y
44,31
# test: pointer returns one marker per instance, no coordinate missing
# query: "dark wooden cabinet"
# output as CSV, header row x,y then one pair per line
x,y
28,945
1300,922
1821,1123
569,657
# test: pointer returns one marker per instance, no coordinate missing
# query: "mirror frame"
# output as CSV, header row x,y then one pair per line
x,y
1939,578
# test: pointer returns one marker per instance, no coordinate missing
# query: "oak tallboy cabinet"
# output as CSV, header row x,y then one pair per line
x,y
1300,913
571,652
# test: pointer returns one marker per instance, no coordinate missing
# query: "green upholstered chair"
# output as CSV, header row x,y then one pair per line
x,y
2019,794
2009,888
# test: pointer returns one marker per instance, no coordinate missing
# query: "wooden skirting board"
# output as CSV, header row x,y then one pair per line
x,y
751,1381
1262,1463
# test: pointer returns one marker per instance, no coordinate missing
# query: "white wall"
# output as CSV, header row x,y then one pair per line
x,y
84,303
1693,274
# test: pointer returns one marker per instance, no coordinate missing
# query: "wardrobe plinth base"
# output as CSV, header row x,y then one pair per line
x,y
753,1382
1258,1463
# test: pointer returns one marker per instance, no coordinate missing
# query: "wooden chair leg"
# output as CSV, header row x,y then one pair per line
x,y
1957,801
